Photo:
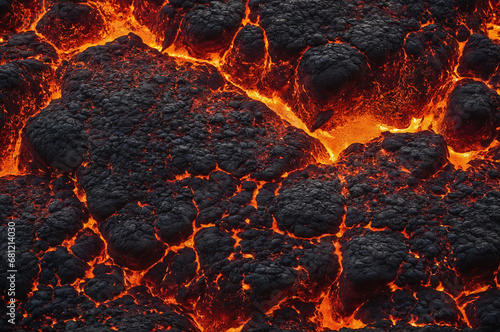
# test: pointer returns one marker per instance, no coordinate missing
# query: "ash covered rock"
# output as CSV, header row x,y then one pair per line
x,y
210,27
421,305
26,45
379,37
44,213
310,208
108,282
88,245
471,116
480,58
131,237
483,310
69,25
373,259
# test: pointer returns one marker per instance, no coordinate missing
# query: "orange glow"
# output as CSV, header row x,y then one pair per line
x,y
350,128
461,160
329,322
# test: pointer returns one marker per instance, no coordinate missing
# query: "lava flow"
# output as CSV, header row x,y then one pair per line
x,y
257,166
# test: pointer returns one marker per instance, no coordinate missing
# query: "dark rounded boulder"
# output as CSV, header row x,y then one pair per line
x,y
310,208
470,119
480,57
210,28
70,25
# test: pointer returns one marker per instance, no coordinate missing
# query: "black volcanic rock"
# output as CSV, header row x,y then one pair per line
x,y
471,116
373,260
209,211
108,282
483,312
26,45
248,55
480,58
310,208
423,305
332,71
88,245
379,37
423,154
131,237
40,209
61,265
69,25
210,28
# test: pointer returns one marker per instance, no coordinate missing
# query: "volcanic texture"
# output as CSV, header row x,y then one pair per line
x,y
260,166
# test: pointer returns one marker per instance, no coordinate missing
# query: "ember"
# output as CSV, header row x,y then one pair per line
x,y
263,165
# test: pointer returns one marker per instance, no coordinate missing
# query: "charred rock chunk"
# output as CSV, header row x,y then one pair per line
x,y
88,245
107,283
332,71
475,238
64,266
310,208
422,305
131,238
61,144
60,225
372,260
480,58
210,28
247,55
267,279
69,25
369,262
379,37
431,57
484,311
26,45
294,25
213,245
174,273
175,216
471,116
423,153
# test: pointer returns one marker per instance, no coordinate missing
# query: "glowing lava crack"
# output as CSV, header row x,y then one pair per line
x,y
269,165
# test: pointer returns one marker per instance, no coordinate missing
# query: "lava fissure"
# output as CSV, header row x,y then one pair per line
x,y
235,165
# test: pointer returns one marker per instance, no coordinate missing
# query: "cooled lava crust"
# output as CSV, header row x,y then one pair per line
x,y
154,187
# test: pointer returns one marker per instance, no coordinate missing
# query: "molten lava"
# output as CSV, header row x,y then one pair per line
x,y
236,165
